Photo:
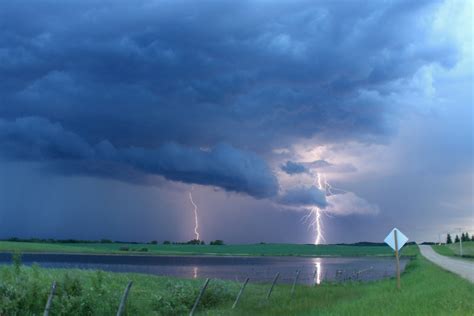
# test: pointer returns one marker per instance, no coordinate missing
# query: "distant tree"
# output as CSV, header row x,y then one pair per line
x,y
217,242
448,239
153,242
465,237
202,242
456,239
194,242
472,238
166,242
105,241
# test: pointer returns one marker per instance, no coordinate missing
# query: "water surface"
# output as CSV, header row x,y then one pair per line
x,y
258,269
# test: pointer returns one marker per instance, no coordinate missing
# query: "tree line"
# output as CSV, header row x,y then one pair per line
x,y
217,242
464,237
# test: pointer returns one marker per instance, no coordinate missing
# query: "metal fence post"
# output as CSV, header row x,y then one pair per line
x,y
196,303
123,301
240,293
273,284
294,282
50,299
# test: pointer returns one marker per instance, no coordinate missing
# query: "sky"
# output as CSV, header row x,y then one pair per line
x,y
113,112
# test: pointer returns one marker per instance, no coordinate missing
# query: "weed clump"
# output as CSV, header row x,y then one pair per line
x,y
26,293
179,296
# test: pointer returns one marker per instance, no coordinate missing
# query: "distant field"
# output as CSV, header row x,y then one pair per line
x,y
237,250
453,250
426,290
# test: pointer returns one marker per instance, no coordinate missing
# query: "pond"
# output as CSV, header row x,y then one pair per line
x,y
236,268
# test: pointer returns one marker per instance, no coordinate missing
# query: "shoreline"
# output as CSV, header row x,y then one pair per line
x,y
204,255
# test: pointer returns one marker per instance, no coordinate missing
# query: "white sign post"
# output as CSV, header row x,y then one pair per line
x,y
396,240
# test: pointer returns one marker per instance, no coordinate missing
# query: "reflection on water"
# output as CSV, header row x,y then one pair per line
x,y
317,271
258,269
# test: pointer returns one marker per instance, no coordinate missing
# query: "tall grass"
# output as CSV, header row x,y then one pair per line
x,y
25,291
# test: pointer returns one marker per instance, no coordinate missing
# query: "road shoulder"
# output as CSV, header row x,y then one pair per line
x,y
461,267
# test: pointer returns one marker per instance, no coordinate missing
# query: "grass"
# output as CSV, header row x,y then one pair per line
x,y
452,250
426,290
236,250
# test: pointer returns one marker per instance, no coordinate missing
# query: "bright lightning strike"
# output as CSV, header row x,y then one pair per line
x,y
196,222
317,220
315,213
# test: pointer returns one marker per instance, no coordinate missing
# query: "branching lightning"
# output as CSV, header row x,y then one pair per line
x,y
314,215
196,221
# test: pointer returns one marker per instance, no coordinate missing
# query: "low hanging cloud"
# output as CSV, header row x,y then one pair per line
x,y
38,139
349,203
223,166
293,168
35,138
303,197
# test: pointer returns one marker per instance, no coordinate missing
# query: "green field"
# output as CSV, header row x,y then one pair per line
x,y
236,250
426,290
453,250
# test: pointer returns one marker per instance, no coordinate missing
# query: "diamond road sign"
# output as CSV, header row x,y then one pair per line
x,y
401,239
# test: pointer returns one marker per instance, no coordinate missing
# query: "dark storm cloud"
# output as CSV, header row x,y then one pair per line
x,y
223,166
303,196
35,138
144,91
255,75
291,167
248,73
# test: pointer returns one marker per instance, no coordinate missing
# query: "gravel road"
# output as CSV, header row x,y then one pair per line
x,y
461,267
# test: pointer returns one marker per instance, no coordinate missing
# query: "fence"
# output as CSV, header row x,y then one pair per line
x,y
314,278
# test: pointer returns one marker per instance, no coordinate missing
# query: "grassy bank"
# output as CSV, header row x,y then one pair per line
x,y
453,250
236,250
426,290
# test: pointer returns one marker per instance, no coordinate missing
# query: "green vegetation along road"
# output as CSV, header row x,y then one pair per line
x,y
426,290
236,250
453,250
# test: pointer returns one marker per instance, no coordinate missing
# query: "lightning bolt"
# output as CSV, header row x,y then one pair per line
x,y
315,214
196,221
314,219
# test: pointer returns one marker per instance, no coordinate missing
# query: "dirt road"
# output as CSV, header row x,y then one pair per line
x,y
461,267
